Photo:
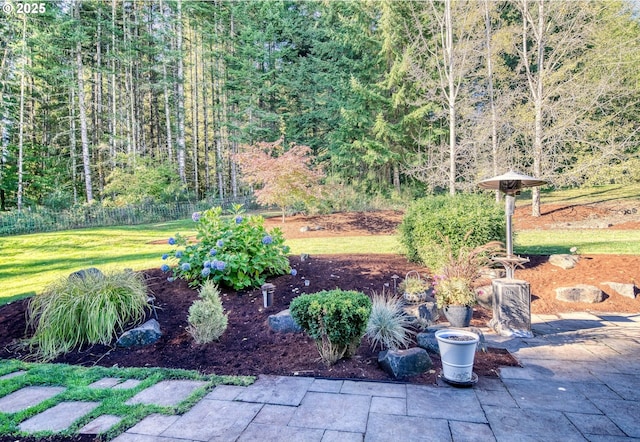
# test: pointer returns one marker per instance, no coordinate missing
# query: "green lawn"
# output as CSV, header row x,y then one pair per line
x,y
30,262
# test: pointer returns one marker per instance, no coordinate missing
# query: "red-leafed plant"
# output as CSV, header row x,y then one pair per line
x,y
282,177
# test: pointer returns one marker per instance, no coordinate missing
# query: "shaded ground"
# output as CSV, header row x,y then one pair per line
x,y
248,347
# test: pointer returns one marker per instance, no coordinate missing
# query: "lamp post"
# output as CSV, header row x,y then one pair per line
x,y
511,299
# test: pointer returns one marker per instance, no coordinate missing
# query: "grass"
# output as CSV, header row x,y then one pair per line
x,y
584,195
588,241
76,380
31,262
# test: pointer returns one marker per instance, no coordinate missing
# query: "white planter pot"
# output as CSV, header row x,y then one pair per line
x,y
457,351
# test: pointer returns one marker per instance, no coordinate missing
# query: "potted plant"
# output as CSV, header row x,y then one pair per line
x,y
454,286
414,289
457,353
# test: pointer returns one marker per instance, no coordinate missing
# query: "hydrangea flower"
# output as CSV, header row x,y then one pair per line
x,y
165,256
267,239
213,252
220,243
238,219
220,265
179,254
172,241
185,266
164,268
207,264
195,217
205,272
294,272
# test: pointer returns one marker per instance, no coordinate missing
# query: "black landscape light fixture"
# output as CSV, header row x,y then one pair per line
x,y
510,184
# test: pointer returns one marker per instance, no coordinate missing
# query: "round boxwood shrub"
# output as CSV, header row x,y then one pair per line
x,y
468,220
336,320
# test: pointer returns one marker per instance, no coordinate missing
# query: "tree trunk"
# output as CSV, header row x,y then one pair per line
x,y
492,104
23,75
448,54
84,138
180,98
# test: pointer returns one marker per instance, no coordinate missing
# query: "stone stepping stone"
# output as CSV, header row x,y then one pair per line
x,y
12,375
166,393
27,397
101,424
58,418
105,383
129,383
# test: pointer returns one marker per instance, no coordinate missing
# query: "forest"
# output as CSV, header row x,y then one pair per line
x,y
118,102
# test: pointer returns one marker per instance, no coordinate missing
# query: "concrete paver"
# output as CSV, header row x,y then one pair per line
x,y
102,424
27,397
166,393
15,374
59,417
578,382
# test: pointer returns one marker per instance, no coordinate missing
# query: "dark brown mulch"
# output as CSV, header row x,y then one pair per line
x,y
249,347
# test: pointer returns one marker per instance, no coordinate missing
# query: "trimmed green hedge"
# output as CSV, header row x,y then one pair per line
x,y
466,219
336,320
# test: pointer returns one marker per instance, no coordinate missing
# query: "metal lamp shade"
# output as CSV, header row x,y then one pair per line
x,y
510,182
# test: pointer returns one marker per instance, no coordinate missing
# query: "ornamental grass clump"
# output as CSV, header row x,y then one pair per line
x,y
389,326
336,320
89,310
235,251
207,319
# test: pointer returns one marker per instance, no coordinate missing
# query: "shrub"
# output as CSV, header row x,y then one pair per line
x,y
236,251
335,319
388,324
89,310
207,320
466,219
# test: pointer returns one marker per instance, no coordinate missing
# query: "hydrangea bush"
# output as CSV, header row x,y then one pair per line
x,y
235,251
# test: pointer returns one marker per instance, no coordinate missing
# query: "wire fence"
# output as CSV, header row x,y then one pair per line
x,y
46,220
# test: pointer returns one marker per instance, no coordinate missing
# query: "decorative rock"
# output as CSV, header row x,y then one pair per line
x,y
91,271
626,290
564,261
425,311
484,295
428,341
146,334
580,293
283,323
403,363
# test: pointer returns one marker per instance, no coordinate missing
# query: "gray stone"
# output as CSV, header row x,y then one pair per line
x,y
564,261
580,293
27,397
428,341
101,424
283,323
425,311
91,271
146,334
404,363
626,290
59,417
166,393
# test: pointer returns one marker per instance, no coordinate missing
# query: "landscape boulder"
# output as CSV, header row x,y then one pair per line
x,y
82,274
580,293
626,290
425,311
404,363
146,334
484,295
283,323
564,261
